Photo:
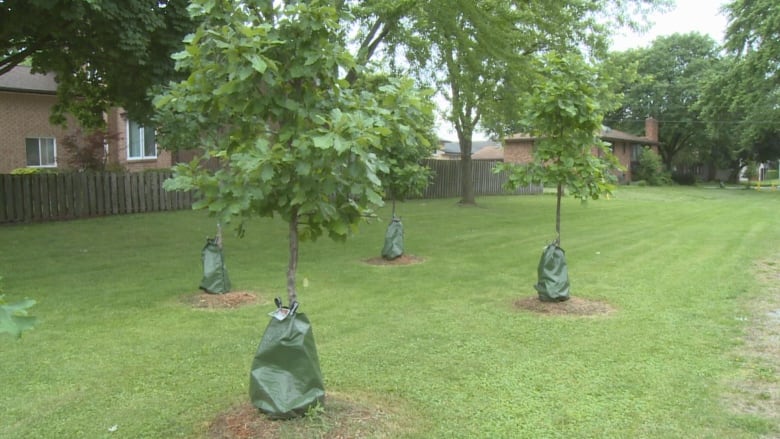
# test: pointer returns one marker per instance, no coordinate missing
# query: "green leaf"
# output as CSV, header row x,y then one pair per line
x,y
323,142
14,319
267,173
303,168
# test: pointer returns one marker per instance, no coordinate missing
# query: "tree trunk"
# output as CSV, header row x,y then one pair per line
x,y
558,214
467,177
292,266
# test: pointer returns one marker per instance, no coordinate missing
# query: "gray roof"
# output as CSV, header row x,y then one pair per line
x,y
453,148
20,79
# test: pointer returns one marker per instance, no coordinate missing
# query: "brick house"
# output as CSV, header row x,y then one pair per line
x,y
28,139
519,148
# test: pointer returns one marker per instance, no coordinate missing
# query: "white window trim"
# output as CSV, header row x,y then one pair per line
x,y
141,141
38,138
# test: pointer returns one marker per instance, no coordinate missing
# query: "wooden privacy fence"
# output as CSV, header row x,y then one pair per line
x,y
47,197
447,177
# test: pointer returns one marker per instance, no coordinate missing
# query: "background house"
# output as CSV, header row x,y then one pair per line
x,y
519,148
28,139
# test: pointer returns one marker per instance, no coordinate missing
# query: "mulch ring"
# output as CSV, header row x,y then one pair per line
x,y
229,300
341,417
575,306
401,260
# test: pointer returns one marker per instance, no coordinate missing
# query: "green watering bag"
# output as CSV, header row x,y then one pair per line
x,y
553,283
215,278
285,379
394,240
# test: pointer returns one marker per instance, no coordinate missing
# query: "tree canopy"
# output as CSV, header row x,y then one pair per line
x,y
671,73
747,92
103,53
266,96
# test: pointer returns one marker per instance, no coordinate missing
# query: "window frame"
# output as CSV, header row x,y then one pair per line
x,y
141,130
53,152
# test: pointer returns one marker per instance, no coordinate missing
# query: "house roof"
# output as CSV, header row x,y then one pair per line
x,y
607,134
453,148
490,152
21,79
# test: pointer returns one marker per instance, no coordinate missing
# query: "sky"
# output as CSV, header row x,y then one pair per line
x,y
701,16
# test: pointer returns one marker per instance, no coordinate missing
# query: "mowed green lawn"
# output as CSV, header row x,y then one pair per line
x,y
439,345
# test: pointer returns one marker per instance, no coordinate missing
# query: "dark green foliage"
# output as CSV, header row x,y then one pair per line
x,y
684,178
671,75
103,53
650,169
742,105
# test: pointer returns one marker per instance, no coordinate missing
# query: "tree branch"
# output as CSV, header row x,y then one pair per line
x,y
13,60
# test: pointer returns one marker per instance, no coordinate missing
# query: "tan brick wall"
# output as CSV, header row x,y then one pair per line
x,y
519,151
24,115
116,122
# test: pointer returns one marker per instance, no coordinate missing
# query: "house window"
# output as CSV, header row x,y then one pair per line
x,y
141,143
636,151
41,152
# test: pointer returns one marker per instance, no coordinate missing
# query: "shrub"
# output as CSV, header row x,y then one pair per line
x,y
684,178
87,152
30,171
651,169
751,170
115,167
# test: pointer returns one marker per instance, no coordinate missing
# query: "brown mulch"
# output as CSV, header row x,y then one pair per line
x,y
575,306
341,417
229,300
401,260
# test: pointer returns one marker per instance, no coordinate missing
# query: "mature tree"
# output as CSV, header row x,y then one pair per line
x,y
724,119
564,112
103,53
745,95
265,96
477,52
671,73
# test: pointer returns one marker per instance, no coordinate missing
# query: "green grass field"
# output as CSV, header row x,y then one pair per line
x,y
439,345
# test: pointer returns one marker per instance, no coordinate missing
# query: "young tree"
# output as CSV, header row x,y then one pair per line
x,y
103,53
264,96
410,138
564,112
